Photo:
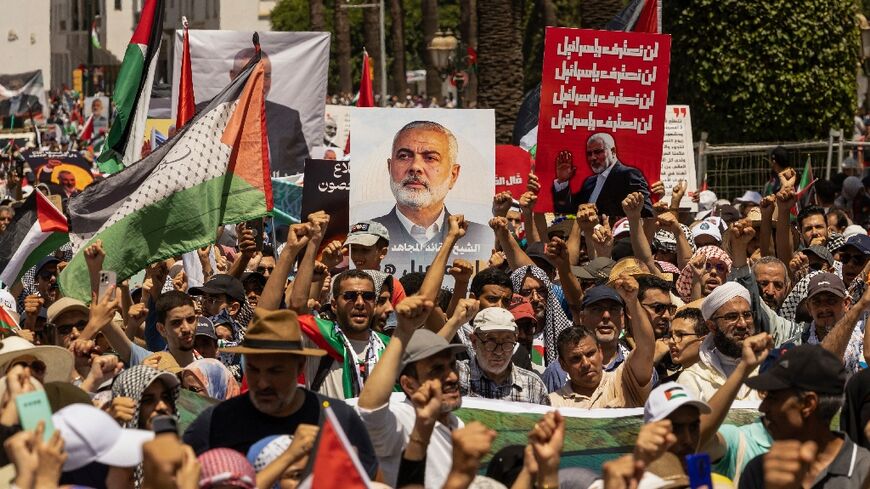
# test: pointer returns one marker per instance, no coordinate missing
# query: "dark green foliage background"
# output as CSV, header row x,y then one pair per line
x,y
771,70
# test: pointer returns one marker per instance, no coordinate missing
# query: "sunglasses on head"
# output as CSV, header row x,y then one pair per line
x,y
353,295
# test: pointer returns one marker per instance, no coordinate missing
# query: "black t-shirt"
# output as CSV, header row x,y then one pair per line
x,y
237,424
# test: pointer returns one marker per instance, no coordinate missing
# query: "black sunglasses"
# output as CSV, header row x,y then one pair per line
x,y
65,329
353,295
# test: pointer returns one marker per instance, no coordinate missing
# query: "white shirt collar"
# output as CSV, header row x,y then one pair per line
x,y
606,172
430,232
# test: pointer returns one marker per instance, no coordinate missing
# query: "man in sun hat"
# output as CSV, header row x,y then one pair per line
x,y
274,404
46,363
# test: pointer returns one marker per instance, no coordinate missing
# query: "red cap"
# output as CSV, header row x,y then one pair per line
x,y
521,308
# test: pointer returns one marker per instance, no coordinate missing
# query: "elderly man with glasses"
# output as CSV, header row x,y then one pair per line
x,y
490,372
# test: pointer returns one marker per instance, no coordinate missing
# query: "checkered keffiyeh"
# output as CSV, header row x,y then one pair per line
x,y
225,467
131,383
684,283
556,321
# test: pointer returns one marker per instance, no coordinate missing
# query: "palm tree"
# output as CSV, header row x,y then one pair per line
x,y
397,30
500,61
430,27
316,15
595,14
372,39
342,48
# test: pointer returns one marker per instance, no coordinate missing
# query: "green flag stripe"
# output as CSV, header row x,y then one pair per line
x,y
167,228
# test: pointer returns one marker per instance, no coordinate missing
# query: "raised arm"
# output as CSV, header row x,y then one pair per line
x,y
640,361
273,291
633,206
410,314
527,207
765,237
465,311
837,340
557,251
100,320
515,255
755,350
317,223
461,271
785,200
248,248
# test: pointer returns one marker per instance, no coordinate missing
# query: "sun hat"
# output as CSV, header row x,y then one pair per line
x,y
274,332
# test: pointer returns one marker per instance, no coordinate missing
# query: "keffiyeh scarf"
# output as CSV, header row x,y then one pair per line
x,y
684,283
556,320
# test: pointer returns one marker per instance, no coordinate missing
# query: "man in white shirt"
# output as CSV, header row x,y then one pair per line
x,y
416,357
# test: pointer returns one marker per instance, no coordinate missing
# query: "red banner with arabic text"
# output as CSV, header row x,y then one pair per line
x,y
600,82
512,166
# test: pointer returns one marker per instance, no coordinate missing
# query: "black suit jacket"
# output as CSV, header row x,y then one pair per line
x,y
287,147
621,181
409,256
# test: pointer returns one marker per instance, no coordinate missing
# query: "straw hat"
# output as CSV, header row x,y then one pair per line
x,y
274,332
58,361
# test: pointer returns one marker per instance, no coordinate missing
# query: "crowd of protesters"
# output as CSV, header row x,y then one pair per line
x,y
680,313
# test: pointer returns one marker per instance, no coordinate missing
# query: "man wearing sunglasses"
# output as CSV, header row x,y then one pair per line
x,y
67,317
854,255
490,373
655,298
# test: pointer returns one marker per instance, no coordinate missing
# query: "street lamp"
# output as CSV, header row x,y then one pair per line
x,y
446,50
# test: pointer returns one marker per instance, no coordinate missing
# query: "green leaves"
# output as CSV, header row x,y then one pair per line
x,y
765,70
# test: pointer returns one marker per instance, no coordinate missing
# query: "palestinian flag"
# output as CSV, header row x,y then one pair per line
x,y
335,455
323,333
8,324
95,36
214,171
123,145
86,133
37,229
805,194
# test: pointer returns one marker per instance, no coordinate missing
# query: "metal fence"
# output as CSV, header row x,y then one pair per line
x,y
732,169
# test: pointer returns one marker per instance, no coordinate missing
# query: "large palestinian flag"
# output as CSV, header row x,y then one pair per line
x,y
37,229
132,93
214,171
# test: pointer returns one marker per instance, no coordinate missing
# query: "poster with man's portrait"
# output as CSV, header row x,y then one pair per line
x,y
296,71
100,107
412,169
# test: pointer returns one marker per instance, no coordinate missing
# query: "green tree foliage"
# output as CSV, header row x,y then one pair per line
x,y
772,70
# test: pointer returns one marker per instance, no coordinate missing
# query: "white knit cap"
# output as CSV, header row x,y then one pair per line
x,y
721,295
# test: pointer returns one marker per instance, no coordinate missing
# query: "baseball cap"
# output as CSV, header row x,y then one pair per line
x,y
826,282
91,435
597,269
860,241
666,398
45,261
494,319
821,252
749,196
424,344
707,228
222,284
366,233
204,327
521,308
621,226
706,201
600,293
854,230
806,367
65,304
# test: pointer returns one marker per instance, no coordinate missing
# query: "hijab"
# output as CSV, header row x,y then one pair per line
x,y
215,377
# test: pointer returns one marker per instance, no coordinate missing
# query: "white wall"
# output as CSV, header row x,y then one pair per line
x,y
31,21
117,27
244,15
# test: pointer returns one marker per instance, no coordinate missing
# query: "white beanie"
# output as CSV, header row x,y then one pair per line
x,y
721,295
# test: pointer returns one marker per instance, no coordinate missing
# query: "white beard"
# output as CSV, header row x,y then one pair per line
x,y
419,198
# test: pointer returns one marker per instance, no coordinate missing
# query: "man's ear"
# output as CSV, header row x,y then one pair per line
x,y
409,384
234,308
161,329
711,326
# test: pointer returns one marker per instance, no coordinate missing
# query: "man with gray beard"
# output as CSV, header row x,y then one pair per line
x,y
423,168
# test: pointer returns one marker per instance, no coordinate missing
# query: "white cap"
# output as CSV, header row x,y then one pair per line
x,y
495,319
707,228
90,435
367,233
853,230
706,201
620,227
666,398
749,196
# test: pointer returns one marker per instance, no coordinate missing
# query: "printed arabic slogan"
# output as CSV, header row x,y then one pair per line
x,y
603,98
327,188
